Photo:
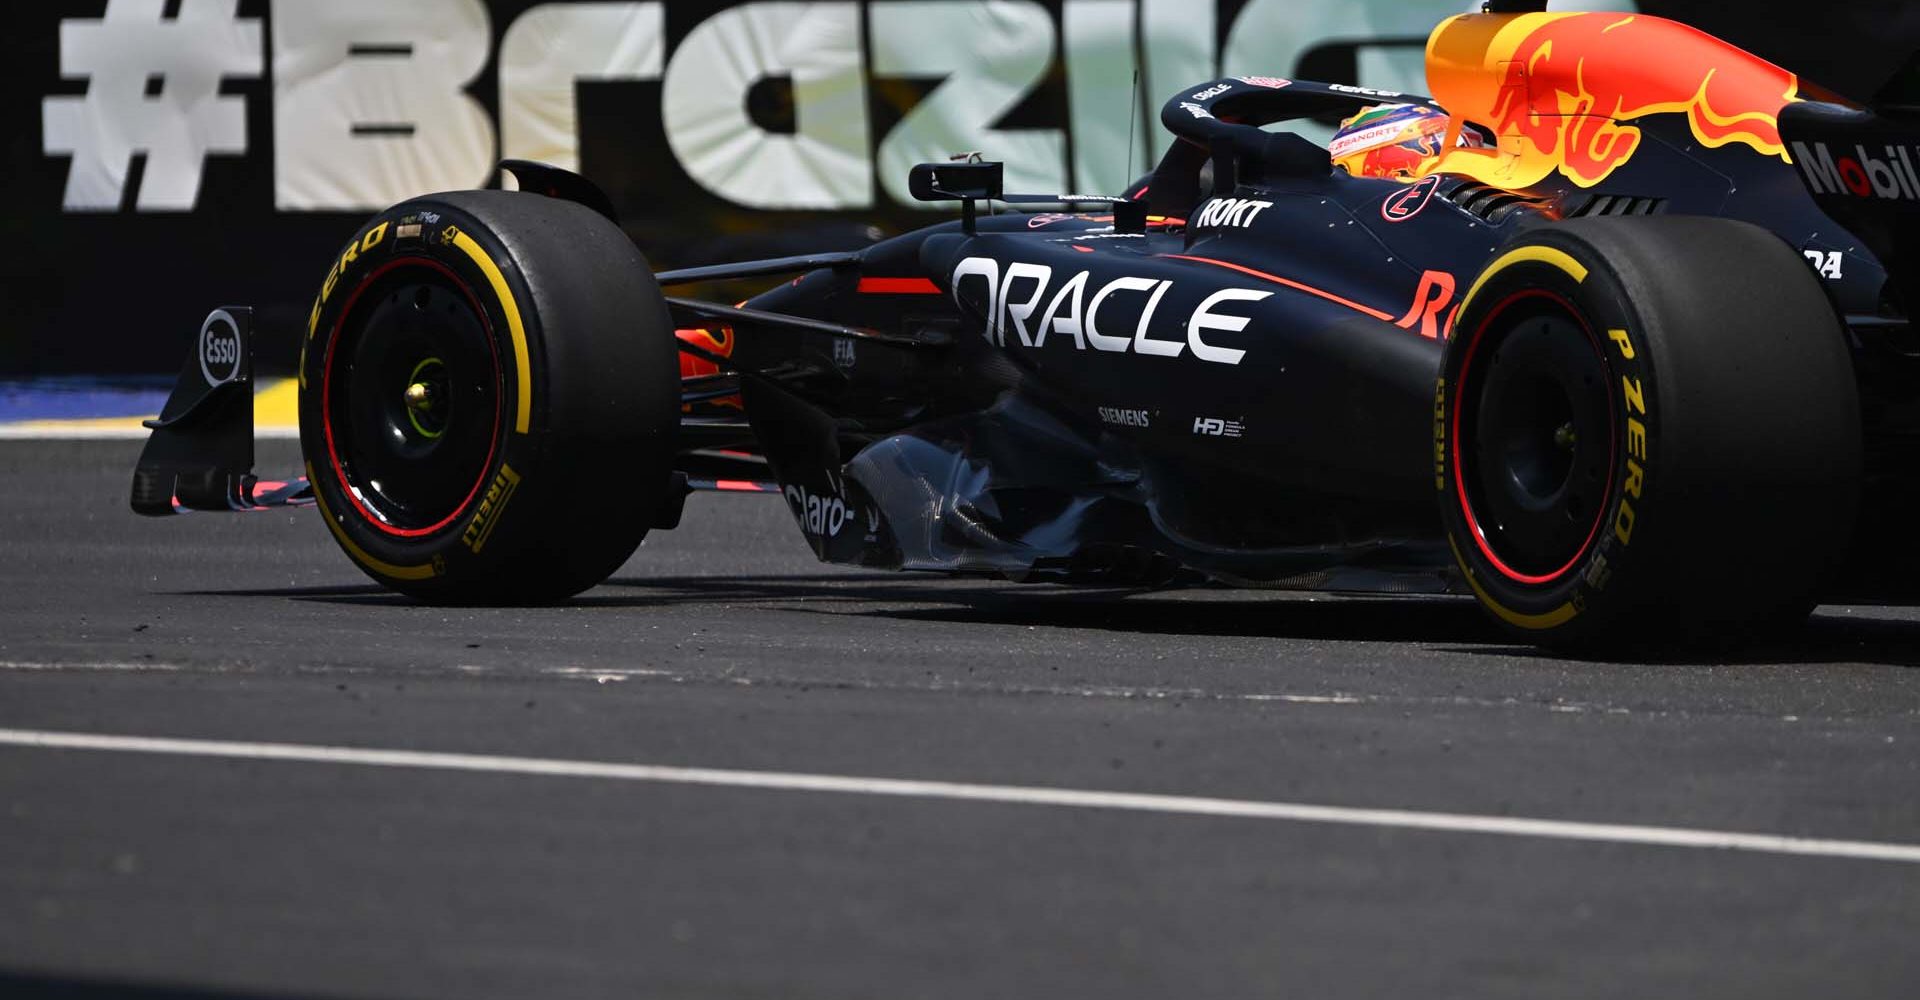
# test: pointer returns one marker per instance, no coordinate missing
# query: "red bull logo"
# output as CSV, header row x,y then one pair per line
x,y
1561,91
718,342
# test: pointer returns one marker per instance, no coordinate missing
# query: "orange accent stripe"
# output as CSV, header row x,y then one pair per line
x,y
1152,220
1276,279
898,286
739,486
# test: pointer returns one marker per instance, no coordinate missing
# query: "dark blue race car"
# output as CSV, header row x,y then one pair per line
x,y
1616,338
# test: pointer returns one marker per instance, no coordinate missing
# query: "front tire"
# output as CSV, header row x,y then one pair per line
x,y
1647,431
489,398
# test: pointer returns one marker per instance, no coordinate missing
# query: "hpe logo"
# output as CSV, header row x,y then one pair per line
x,y
1216,427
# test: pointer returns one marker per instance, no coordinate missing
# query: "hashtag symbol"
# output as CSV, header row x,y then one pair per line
x,y
176,129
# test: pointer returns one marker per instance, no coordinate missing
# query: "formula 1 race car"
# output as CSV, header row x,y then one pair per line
x,y
1624,352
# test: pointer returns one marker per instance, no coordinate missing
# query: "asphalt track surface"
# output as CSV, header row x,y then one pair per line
x,y
758,850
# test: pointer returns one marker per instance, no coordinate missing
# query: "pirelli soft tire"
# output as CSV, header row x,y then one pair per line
x,y
1647,431
488,398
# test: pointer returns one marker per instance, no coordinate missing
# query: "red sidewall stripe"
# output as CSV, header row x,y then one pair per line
x,y
1459,471
326,398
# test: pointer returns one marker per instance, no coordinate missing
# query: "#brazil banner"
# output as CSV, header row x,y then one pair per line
x,y
165,154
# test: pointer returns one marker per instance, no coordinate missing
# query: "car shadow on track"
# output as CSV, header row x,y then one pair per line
x,y
1444,624
1391,620
31,986
353,593
1447,623
1197,611
1825,638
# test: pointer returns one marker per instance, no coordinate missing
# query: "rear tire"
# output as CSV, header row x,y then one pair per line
x,y
1647,431
489,398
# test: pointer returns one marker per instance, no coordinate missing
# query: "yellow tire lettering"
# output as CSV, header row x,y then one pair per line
x,y
371,239
313,324
1619,338
1636,439
1630,489
492,506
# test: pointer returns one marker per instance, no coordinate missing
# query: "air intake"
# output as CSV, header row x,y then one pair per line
x,y
1488,203
1618,204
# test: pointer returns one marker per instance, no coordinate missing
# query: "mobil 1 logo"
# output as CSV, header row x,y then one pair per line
x,y
1857,170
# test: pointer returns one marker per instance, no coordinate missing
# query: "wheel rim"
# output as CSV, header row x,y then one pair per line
x,y
1535,402
411,398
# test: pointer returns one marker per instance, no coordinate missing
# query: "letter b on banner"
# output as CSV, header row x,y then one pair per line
x,y
368,106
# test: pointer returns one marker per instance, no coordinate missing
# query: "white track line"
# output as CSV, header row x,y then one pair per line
x,y
13,433
129,668
615,675
1069,798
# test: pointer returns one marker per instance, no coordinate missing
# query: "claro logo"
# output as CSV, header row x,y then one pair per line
x,y
373,101
820,514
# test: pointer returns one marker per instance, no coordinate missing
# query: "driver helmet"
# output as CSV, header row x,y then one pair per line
x,y
1400,141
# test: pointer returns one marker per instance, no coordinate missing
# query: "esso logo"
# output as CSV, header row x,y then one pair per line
x,y
219,349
